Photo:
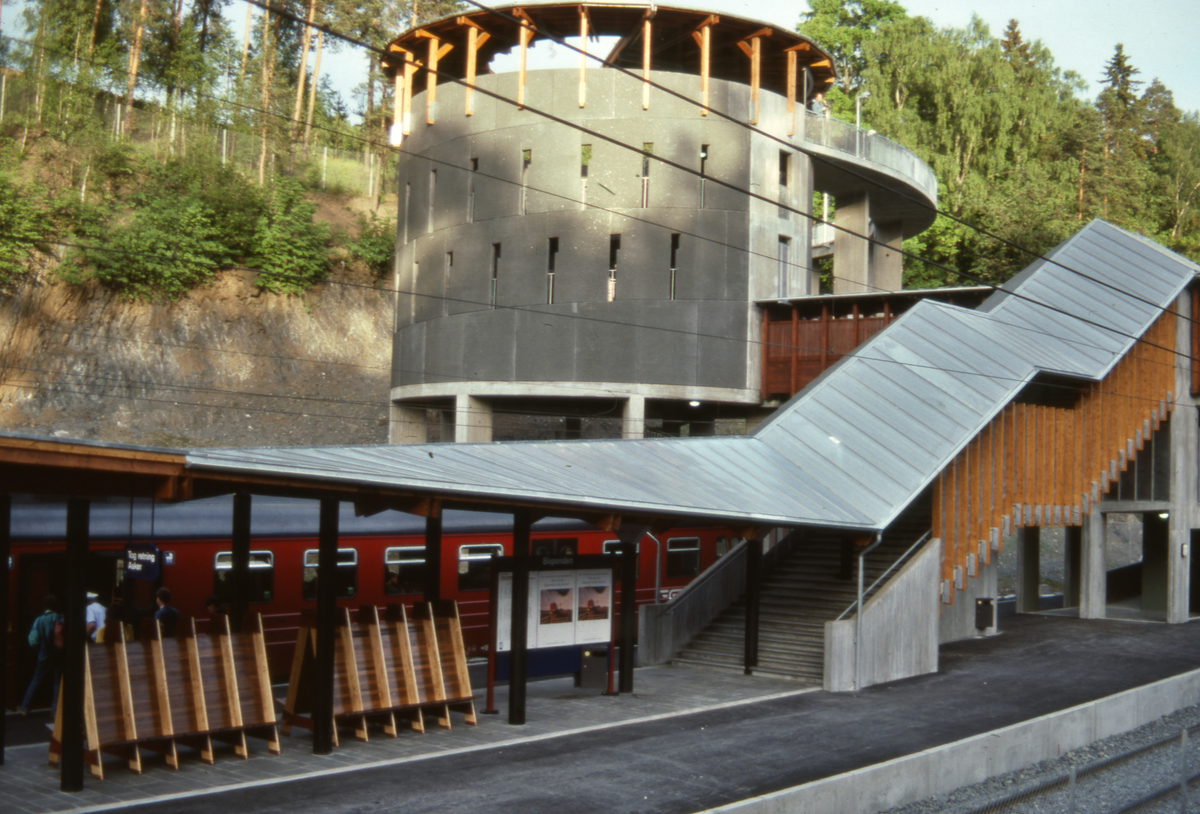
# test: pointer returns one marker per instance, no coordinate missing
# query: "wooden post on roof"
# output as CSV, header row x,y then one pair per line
x,y
754,51
704,39
791,91
410,70
526,36
476,37
646,30
584,23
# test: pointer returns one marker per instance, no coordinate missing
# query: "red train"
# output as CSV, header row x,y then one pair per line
x,y
381,560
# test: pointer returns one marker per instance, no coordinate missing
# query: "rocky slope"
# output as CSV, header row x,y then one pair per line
x,y
227,366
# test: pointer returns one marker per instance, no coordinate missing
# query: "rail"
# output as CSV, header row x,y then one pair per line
x,y
664,629
869,146
899,561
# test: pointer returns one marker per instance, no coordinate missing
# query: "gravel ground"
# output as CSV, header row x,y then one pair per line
x,y
1108,790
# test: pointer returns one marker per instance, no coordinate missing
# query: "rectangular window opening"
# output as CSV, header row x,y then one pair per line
x,y
471,190
551,259
614,249
674,261
495,272
526,160
647,151
785,174
703,171
585,158
785,247
432,195
683,556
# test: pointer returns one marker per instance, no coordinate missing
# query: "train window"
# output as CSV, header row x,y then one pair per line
x,y
683,556
475,565
404,571
722,547
614,547
556,547
346,579
262,576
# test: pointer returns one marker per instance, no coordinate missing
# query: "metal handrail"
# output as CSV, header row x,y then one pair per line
x,y
869,146
885,574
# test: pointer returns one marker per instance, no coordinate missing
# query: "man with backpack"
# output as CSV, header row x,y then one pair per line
x,y
47,638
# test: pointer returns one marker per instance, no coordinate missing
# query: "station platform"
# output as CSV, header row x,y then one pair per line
x,y
686,740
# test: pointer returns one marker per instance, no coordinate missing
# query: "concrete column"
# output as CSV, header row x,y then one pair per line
x,y
1183,440
1029,575
472,420
1093,593
851,254
633,417
1072,551
406,425
886,265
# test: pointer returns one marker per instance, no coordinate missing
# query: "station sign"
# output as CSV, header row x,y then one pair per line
x,y
141,561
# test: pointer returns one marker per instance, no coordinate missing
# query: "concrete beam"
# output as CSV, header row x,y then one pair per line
x,y
472,420
406,425
633,417
1093,593
852,254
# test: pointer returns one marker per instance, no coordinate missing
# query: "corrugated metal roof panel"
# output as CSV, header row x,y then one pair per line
x,y
852,449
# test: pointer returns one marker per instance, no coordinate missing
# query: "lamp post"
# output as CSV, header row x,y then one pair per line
x,y
858,100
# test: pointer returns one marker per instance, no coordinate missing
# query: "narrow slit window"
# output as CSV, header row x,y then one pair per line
x,y
614,250
585,158
551,259
785,174
647,151
471,190
674,262
432,195
495,272
526,160
703,172
446,281
785,247
407,198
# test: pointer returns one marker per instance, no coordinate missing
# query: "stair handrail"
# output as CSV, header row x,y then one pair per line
x,y
885,574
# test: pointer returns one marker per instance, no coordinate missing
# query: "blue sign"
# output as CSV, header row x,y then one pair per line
x,y
141,561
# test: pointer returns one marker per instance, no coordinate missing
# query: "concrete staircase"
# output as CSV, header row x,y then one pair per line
x,y
812,586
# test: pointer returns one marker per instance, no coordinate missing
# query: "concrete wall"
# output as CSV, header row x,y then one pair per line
x,y
957,621
899,629
943,769
451,218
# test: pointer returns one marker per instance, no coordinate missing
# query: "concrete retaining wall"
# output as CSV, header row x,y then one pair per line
x,y
945,768
900,628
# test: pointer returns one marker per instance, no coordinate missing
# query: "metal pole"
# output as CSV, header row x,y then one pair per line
x,y
433,557
5,539
522,521
239,577
628,614
326,609
754,554
75,639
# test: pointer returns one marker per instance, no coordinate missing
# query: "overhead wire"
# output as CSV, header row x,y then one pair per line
x,y
623,214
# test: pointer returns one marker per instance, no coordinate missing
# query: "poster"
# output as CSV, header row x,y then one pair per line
x,y
504,612
555,599
594,606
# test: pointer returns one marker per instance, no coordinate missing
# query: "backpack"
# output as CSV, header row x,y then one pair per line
x,y
58,640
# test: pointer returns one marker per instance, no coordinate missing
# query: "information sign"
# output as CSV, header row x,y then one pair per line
x,y
141,561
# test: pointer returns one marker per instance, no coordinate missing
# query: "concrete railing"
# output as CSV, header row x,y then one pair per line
x,y
899,629
869,146
663,630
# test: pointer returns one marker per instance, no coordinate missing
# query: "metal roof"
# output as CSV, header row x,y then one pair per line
x,y
851,450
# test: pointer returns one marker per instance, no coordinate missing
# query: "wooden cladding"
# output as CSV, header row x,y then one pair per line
x,y
1038,464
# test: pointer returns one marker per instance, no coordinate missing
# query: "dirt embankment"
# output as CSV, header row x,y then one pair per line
x,y
227,366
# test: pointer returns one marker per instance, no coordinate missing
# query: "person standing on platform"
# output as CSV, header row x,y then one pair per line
x,y
166,615
47,638
95,615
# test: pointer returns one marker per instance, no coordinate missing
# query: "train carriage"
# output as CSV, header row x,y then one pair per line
x,y
381,559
